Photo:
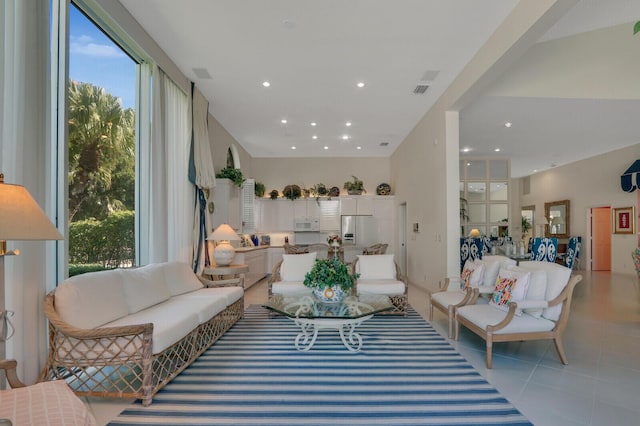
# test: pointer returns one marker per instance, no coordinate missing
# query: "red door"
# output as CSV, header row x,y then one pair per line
x,y
601,239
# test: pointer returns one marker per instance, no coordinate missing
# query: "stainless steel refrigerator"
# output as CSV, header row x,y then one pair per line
x,y
359,230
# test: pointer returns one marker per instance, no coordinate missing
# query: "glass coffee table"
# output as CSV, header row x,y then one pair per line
x,y
312,315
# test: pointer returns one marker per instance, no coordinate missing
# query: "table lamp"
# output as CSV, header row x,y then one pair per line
x,y
224,252
21,218
474,233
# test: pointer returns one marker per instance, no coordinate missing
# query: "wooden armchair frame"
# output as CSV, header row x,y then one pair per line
x,y
555,334
9,366
450,310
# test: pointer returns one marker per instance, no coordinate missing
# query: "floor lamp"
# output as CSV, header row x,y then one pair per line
x,y
22,219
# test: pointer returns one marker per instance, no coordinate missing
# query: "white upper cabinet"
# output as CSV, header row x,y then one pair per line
x,y
356,205
306,208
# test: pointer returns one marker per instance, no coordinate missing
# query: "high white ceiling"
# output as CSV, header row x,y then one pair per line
x,y
314,52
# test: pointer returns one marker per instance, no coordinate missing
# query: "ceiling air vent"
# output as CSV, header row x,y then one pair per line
x,y
384,143
420,88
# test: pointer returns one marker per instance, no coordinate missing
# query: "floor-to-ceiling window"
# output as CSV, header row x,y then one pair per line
x,y
99,86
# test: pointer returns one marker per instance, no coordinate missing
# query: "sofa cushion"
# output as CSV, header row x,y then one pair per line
x,y
92,299
537,289
510,286
171,323
144,286
376,267
557,279
295,266
484,315
446,298
180,278
389,287
289,287
472,274
206,304
492,265
230,295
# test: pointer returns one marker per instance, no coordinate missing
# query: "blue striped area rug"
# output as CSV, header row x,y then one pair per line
x,y
405,374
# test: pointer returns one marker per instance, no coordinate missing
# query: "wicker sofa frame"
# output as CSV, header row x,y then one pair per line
x,y
118,361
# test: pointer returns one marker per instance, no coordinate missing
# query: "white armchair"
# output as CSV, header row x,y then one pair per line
x,y
288,275
481,281
380,274
539,311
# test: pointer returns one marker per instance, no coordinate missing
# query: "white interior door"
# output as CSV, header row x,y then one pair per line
x,y
402,238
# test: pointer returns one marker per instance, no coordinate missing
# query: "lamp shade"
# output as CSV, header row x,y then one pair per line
x,y
557,220
474,233
224,233
21,218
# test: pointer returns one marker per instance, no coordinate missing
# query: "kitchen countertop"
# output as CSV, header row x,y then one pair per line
x,y
248,249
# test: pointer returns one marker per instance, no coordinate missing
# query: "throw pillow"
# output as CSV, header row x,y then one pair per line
x,y
376,267
472,274
537,289
295,266
510,286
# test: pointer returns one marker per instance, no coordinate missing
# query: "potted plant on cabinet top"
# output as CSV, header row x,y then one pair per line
x,y
330,280
235,175
354,186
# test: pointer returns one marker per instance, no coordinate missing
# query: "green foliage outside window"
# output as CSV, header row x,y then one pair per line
x,y
109,242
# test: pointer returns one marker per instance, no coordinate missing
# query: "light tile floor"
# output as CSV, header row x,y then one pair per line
x,y
600,386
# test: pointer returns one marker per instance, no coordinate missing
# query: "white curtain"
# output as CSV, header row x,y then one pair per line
x,y
172,195
25,158
202,174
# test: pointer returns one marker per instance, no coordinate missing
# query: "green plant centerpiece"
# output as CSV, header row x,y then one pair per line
x,y
235,175
330,280
355,186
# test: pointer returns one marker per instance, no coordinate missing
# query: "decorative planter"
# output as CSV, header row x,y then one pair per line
x,y
331,294
355,192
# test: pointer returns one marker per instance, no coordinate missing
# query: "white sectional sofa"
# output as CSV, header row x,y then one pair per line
x,y
128,332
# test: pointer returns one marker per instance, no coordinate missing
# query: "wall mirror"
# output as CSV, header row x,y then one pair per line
x,y
558,215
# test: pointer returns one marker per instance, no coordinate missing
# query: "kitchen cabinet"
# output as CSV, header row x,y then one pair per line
x,y
257,260
275,215
227,204
356,205
306,208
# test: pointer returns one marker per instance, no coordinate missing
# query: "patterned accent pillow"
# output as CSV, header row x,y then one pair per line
x,y
472,274
510,286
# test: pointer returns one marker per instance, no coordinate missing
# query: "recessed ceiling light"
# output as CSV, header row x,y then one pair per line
x,y
508,124
293,147
283,121
358,147
348,124
466,149
326,147
497,150
314,137
360,84
266,84
314,124
468,164
345,137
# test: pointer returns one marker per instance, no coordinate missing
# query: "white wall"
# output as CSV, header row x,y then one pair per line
x,y
594,182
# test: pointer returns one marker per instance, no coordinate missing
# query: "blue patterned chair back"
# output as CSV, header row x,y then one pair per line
x,y
486,245
573,252
470,248
545,249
